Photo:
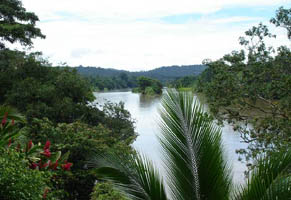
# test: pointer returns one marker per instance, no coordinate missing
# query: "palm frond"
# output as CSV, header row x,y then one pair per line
x,y
193,155
134,175
271,178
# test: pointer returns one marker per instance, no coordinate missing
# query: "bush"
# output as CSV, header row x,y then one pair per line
x,y
149,86
81,140
17,181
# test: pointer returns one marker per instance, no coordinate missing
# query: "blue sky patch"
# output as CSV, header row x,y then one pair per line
x,y
264,13
180,19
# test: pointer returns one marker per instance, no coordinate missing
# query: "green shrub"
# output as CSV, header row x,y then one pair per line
x,y
149,86
105,191
80,139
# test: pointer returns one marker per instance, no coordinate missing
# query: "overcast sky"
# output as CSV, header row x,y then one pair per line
x,y
145,34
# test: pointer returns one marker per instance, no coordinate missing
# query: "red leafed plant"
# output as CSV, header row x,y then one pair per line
x,y
39,156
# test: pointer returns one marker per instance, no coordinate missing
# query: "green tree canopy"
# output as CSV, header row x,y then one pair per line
x,y
149,86
283,19
16,24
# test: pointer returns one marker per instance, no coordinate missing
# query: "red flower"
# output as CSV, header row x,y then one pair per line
x,y
29,145
47,153
12,122
47,145
33,166
67,166
4,120
42,165
45,193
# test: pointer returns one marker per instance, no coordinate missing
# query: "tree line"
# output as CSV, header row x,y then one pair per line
x,y
113,77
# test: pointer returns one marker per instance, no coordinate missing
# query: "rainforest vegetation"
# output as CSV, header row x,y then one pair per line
x,y
56,143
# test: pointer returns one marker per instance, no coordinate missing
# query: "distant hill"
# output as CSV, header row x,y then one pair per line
x,y
98,71
164,74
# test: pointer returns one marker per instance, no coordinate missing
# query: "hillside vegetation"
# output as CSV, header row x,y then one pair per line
x,y
103,79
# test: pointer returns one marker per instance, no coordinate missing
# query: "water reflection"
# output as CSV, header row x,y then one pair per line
x,y
148,101
145,111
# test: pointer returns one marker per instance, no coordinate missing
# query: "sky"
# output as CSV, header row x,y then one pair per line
x,y
145,34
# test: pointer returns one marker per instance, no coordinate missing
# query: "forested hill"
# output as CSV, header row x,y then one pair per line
x,y
98,71
163,74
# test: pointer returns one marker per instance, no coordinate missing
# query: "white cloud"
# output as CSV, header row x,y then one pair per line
x,y
110,33
132,9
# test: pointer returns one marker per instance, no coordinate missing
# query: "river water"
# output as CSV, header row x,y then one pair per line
x,y
145,112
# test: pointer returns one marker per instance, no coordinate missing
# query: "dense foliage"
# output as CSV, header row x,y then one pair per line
x,y
17,181
80,139
59,94
25,166
184,82
121,81
148,86
251,89
105,191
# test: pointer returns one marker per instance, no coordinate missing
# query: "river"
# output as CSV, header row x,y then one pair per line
x,y
145,111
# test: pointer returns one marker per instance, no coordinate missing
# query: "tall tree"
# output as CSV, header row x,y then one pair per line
x,y
16,24
251,89
283,19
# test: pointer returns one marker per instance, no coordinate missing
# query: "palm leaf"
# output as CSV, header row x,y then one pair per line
x,y
134,175
270,179
193,155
